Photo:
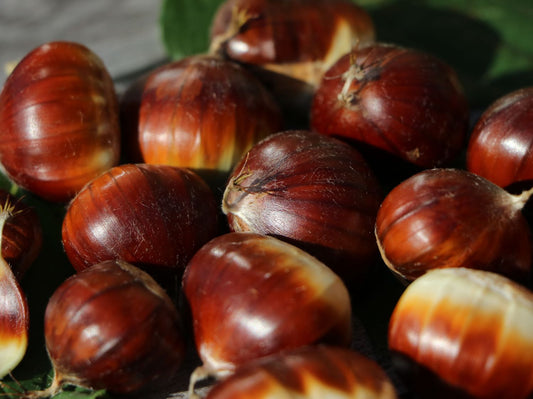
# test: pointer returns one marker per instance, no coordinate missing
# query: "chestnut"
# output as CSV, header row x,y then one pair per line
x,y
59,122
152,216
252,295
289,44
445,218
200,112
499,148
313,191
112,327
464,333
403,101
310,372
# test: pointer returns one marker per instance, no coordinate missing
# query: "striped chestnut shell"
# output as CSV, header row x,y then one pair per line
x,y
59,121
313,191
313,372
464,333
252,295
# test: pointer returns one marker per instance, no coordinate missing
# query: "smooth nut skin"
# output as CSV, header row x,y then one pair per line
x,y
312,372
499,148
470,329
200,112
59,122
405,102
112,327
252,295
313,191
444,218
22,235
153,216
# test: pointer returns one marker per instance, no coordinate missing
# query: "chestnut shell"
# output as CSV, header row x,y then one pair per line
x,y
112,327
402,101
59,121
499,148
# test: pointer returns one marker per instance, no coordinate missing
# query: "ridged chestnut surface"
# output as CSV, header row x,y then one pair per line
x,y
252,295
311,190
112,327
469,328
312,372
402,101
201,112
59,122
443,218
153,216
499,148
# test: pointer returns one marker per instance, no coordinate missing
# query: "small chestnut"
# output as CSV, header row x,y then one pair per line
x,y
59,122
464,333
402,101
313,372
444,218
111,326
252,295
499,148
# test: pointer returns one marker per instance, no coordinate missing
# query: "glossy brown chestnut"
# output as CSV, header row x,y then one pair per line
x,y
470,329
445,218
312,372
59,125
112,327
252,295
153,216
405,102
313,191
290,44
22,235
200,112
499,148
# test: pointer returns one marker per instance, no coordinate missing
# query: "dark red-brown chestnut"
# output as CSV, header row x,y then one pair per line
x,y
59,122
464,333
403,101
499,148
309,372
152,216
252,295
200,112
447,218
313,191
112,327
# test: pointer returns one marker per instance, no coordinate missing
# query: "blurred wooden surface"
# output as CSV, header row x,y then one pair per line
x,y
124,33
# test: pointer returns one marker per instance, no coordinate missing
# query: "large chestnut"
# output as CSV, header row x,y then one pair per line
x,y
499,148
464,333
445,218
313,191
153,216
201,112
402,101
112,327
252,295
313,372
59,124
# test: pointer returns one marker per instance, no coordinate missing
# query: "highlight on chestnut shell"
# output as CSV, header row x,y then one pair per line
x,y
59,121
313,191
499,148
463,331
252,295
313,372
446,218
201,112
405,102
152,216
100,326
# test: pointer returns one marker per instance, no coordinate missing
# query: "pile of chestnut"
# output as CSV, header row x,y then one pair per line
x,y
228,209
